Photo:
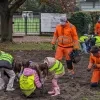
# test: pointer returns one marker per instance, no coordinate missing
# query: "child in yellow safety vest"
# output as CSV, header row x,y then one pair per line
x,y
56,69
97,40
83,40
30,79
6,65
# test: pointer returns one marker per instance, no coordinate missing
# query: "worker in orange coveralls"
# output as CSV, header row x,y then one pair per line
x,y
97,28
95,64
67,39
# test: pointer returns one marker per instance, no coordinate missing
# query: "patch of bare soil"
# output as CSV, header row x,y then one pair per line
x,y
71,89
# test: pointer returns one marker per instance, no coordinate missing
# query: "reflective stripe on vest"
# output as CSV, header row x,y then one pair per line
x,y
97,40
97,44
6,57
58,68
82,38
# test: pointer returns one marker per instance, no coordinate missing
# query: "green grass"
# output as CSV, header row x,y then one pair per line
x,y
33,25
85,98
25,46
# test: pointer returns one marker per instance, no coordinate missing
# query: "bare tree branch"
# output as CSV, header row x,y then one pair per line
x,y
16,5
10,1
67,5
62,4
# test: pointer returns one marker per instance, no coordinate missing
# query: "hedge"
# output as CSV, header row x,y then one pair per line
x,y
94,16
81,20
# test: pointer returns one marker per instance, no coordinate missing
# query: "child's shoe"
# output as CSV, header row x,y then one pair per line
x,y
71,74
57,91
10,89
51,92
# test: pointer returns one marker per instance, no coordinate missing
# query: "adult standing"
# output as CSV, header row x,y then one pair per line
x,y
97,28
67,40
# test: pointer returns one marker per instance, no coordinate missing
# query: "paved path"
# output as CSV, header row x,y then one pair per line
x,y
32,39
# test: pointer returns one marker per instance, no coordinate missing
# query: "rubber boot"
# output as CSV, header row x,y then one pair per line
x,y
51,92
57,91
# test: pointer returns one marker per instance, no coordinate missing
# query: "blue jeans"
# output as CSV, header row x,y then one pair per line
x,y
84,48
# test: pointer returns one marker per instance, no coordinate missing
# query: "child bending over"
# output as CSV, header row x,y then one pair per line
x,y
30,79
56,68
6,65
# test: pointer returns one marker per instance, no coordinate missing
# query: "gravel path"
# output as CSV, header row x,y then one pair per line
x,y
33,39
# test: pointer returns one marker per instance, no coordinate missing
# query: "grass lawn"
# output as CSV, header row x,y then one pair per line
x,y
26,46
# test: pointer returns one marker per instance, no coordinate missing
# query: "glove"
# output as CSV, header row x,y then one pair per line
x,y
76,49
94,66
88,69
53,47
76,46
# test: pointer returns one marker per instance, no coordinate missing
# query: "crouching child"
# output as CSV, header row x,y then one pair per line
x,y
6,65
30,80
56,69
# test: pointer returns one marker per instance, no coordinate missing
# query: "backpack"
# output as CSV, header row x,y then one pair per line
x,y
27,82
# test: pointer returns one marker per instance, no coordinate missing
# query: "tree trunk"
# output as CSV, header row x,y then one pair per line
x,y
6,28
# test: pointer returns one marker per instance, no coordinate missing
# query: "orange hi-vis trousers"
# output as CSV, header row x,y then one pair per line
x,y
95,76
63,52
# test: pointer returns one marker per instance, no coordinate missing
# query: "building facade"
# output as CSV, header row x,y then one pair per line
x,y
88,5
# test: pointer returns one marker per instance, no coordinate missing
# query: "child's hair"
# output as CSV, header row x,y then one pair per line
x,y
17,67
26,63
95,49
35,66
44,68
19,64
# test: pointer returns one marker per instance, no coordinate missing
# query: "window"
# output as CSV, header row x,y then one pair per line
x,y
92,0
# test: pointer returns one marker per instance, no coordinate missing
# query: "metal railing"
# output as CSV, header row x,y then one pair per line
x,y
27,26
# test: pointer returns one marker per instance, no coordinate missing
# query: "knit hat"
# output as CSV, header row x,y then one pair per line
x,y
63,19
95,49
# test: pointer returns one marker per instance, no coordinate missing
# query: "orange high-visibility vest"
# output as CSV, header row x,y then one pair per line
x,y
97,28
65,36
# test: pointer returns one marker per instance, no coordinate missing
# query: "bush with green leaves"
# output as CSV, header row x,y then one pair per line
x,y
81,20
95,15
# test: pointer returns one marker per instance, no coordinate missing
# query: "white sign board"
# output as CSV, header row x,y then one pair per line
x,y
49,21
